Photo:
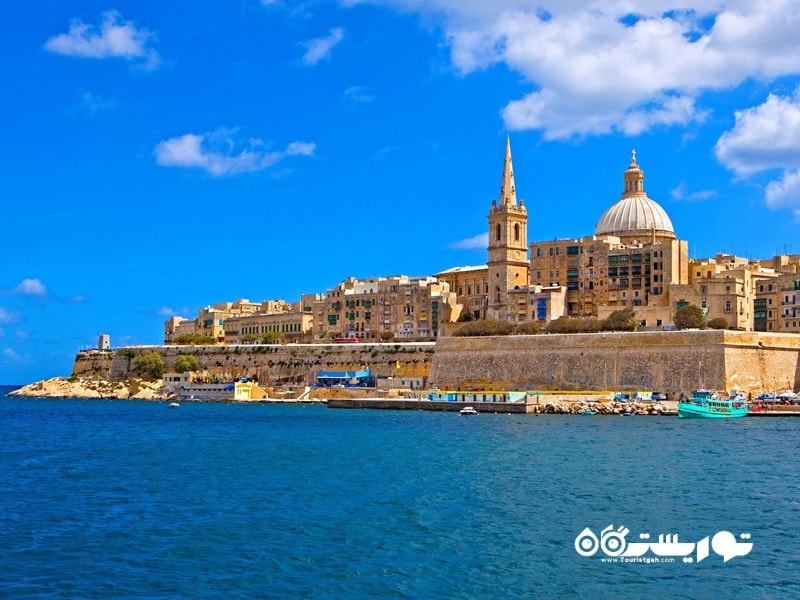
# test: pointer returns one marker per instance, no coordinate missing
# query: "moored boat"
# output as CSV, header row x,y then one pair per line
x,y
468,410
708,404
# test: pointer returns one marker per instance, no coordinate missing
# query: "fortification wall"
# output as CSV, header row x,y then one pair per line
x,y
92,364
674,362
290,363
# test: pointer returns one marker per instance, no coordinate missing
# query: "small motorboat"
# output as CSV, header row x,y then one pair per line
x,y
173,405
468,410
588,413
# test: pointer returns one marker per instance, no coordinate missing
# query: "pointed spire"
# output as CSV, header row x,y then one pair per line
x,y
508,193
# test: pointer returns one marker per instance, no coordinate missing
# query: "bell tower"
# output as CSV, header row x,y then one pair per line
x,y
508,244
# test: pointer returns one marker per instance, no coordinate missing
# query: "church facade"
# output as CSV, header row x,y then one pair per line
x,y
633,258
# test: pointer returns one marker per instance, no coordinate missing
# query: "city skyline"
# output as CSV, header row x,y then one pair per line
x,y
164,158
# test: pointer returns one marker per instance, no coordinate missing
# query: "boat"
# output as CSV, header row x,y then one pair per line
x,y
588,413
708,404
468,410
173,405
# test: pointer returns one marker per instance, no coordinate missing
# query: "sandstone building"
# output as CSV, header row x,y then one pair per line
x,y
396,307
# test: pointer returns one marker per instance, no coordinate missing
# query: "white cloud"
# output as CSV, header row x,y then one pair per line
x,y
92,103
767,138
763,137
358,94
785,193
320,48
6,316
300,149
480,241
10,356
113,38
218,153
30,287
681,193
596,68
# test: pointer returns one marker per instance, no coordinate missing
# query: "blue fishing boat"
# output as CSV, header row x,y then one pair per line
x,y
707,404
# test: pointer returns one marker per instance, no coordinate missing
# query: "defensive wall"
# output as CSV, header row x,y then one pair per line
x,y
274,363
674,362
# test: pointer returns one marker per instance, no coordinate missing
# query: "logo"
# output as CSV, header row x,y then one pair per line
x,y
617,549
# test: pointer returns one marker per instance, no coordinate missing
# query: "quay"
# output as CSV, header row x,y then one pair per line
x,y
531,404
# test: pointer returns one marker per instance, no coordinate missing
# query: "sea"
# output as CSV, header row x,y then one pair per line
x,y
133,499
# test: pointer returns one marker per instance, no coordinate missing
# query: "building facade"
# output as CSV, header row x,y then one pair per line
x,y
396,307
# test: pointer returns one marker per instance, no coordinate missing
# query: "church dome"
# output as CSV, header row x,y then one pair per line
x,y
634,213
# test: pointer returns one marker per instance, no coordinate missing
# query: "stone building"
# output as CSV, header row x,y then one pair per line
x,y
290,326
210,320
508,267
396,307
633,259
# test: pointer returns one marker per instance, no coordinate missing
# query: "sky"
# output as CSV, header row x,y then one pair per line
x,y
159,157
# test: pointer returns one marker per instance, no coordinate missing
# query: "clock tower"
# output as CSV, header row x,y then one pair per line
x,y
508,245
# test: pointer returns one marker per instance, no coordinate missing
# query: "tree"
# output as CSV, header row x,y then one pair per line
x,y
620,320
689,316
464,317
186,362
485,327
193,339
273,337
590,325
149,364
563,325
529,328
387,336
717,323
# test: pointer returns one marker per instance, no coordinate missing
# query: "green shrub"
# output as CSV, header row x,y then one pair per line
x,y
485,327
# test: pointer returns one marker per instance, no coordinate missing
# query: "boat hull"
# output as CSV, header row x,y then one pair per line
x,y
688,411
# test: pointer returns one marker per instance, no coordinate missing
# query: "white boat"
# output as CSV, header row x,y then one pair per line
x,y
173,405
468,410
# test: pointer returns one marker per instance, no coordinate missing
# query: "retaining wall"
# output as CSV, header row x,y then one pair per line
x,y
674,362
290,363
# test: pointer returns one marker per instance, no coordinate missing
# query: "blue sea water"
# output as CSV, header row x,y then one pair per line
x,y
117,499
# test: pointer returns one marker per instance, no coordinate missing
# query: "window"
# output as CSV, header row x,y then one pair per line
x,y
516,232
497,232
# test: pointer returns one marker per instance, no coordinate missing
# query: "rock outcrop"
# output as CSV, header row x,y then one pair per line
x,y
80,387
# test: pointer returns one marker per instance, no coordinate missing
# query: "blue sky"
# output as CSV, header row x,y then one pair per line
x,y
159,157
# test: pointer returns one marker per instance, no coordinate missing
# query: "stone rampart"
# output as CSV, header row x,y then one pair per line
x,y
674,362
290,363
94,363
